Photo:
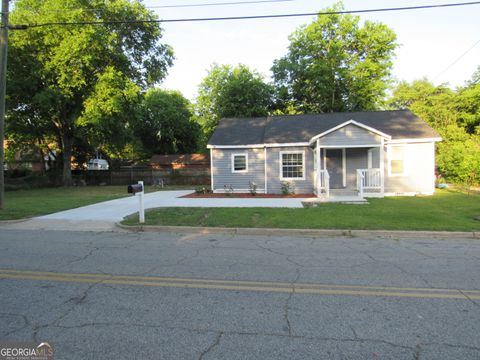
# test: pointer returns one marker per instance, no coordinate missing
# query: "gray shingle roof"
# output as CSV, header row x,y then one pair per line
x,y
399,124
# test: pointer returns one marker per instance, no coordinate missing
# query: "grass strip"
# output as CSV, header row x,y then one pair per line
x,y
447,210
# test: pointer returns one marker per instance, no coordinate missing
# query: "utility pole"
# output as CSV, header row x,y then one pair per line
x,y
3,86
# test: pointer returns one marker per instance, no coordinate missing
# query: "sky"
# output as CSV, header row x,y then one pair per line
x,y
432,42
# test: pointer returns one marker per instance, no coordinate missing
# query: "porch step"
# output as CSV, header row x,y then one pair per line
x,y
353,200
344,192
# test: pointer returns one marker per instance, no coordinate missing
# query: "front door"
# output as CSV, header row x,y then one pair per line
x,y
334,162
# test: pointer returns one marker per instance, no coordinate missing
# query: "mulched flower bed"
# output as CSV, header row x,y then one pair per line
x,y
246,195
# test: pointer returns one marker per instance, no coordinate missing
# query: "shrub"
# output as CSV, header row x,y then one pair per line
x,y
253,188
228,190
287,188
201,190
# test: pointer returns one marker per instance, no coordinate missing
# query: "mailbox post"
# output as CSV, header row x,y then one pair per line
x,y
138,189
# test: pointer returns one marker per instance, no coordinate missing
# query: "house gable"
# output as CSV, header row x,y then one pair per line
x,y
350,133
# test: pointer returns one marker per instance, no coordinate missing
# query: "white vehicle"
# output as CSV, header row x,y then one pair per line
x,y
97,164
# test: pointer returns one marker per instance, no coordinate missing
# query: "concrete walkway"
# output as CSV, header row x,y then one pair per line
x,y
116,210
103,216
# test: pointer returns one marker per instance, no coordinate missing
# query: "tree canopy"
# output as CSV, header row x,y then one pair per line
x,y
164,123
335,64
73,80
455,115
231,92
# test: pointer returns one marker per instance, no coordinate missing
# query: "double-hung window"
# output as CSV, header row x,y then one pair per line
x,y
240,163
292,165
396,161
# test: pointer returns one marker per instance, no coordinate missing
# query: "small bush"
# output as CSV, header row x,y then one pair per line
x,y
228,190
287,188
201,190
252,188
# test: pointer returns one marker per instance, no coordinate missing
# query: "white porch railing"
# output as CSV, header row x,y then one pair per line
x,y
368,180
323,183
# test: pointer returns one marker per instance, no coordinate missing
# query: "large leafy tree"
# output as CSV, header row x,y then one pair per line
x,y
79,81
164,123
231,92
468,103
335,64
434,104
455,115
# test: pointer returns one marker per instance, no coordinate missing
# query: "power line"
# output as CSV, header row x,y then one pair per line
x,y
218,4
230,18
457,60
179,5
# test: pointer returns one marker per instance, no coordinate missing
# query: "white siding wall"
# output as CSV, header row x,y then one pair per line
x,y
419,178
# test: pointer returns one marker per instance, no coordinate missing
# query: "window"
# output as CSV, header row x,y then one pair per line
x,y
291,165
396,156
239,163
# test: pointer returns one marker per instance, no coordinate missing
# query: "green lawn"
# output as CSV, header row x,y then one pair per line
x,y
27,203
446,210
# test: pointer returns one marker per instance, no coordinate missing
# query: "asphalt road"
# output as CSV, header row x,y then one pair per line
x,y
117,295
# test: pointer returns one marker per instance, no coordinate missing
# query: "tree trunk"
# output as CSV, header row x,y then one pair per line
x,y
67,142
42,157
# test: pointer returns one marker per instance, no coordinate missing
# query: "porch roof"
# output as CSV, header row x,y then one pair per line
x,y
288,129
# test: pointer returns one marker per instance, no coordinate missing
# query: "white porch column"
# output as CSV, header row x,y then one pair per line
x,y
318,182
266,170
211,169
382,167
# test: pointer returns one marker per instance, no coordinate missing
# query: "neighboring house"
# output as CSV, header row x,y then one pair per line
x,y
97,164
180,162
367,153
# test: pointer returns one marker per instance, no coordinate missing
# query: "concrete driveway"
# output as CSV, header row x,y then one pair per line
x,y
116,210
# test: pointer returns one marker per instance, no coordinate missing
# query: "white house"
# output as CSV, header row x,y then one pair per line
x,y
367,153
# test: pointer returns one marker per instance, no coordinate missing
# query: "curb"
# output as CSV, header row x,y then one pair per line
x,y
304,232
15,221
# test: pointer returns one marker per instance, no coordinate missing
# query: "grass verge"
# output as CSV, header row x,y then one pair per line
x,y
447,210
27,203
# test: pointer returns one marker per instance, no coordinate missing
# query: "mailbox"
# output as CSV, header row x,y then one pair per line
x,y
135,188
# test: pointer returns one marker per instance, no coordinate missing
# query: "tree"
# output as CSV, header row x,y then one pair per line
x,y
435,104
231,92
79,79
458,156
455,115
164,123
334,64
468,103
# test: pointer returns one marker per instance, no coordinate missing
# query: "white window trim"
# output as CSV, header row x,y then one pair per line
x,y
404,152
281,165
233,163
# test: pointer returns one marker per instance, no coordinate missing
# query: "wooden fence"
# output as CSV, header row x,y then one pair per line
x,y
130,175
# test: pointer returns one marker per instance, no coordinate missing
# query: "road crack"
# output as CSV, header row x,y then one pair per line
x,y
211,347
286,308
76,300
26,323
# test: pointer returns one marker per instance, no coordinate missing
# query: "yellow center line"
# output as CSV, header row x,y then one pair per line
x,y
234,285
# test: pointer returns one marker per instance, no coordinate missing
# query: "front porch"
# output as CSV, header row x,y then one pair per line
x,y
348,172
349,161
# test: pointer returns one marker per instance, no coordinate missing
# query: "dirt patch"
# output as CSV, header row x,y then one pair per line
x,y
246,195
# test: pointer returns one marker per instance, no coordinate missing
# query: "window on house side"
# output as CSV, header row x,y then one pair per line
x,y
397,160
292,165
239,163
